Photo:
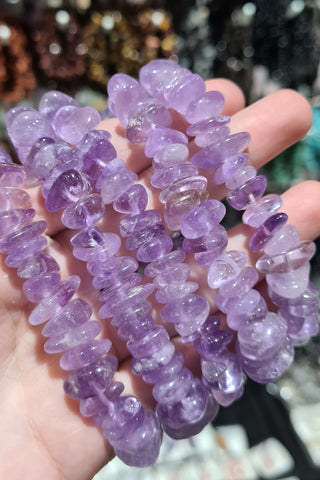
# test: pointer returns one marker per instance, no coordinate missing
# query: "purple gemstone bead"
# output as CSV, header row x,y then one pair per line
x,y
285,239
13,219
175,291
150,343
162,354
123,92
208,124
69,187
12,175
290,284
75,313
213,135
212,340
229,168
91,242
72,338
50,305
206,106
241,284
134,295
113,270
236,321
215,241
135,223
11,198
196,182
83,355
95,151
183,92
5,157
84,213
285,262
116,184
125,416
265,232
262,209
135,313
175,274
22,236
230,382
134,329
143,236
163,137
172,154
202,219
243,305
115,165
166,372
188,313
170,260
179,204
51,160
147,115
223,270
38,263
73,123
154,248
83,382
51,101
40,286
248,193
26,250
133,201
13,113
242,176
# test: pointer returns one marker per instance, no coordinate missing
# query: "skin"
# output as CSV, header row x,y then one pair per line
x,y
42,432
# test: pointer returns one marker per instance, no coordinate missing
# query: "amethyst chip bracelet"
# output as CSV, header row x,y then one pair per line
x,y
79,173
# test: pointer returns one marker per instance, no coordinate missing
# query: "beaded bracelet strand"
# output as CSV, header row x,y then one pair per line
x,y
265,340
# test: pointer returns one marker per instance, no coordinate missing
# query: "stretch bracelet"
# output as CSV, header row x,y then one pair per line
x,y
79,172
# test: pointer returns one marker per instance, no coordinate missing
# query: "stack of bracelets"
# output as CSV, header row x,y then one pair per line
x,y
80,173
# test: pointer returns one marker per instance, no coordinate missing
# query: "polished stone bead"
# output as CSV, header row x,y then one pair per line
x,y
85,382
157,267
184,91
229,168
13,113
74,313
26,250
154,248
230,383
143,236
134,295
51,304
223,270
68,188
93,245
160,138
134,223
38,263
51,160
240,305
11,220
150,343
188,313
215,241
115,165
134,328
12,175
212,340
116,184
202,218
40,286
84,213
285,239
163,177
288,261
266,231
147,115
241,284
133,201
166,372
242,176
51,101
179,204
26,128
172,154
21,237
205,106
123,418
195,182
207,124
134,314
175,291
262,209
73,123
95,151
248,193
175,274
153,361
213,135
123,92
11,198
290,284
73,337
236,321
84,354
112,271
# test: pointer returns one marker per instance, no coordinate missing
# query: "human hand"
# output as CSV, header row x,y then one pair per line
x,y
43,434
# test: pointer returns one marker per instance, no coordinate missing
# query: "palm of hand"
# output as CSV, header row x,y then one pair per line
x,y
43,434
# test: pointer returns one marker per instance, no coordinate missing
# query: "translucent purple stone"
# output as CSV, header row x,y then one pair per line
x,y
214,241
163,137
74,313
138,239
133,201
51,160
184,91
11,198
265,232
242,176
222,270
83,355
69,187
241,284
40,286
173,154
179,204
116,184
38,263
92,245
285,239
206,106
195,182
95,151
84,213
24,251
73,337
248,193
166,261
212,135
11,220
147,115
115,165
290,284
134,223
133,296
174,274
175,290
290,260
262,209
12,175
166,176
73,123
20,238
51,101
202,218
154,248
239,305
229,168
